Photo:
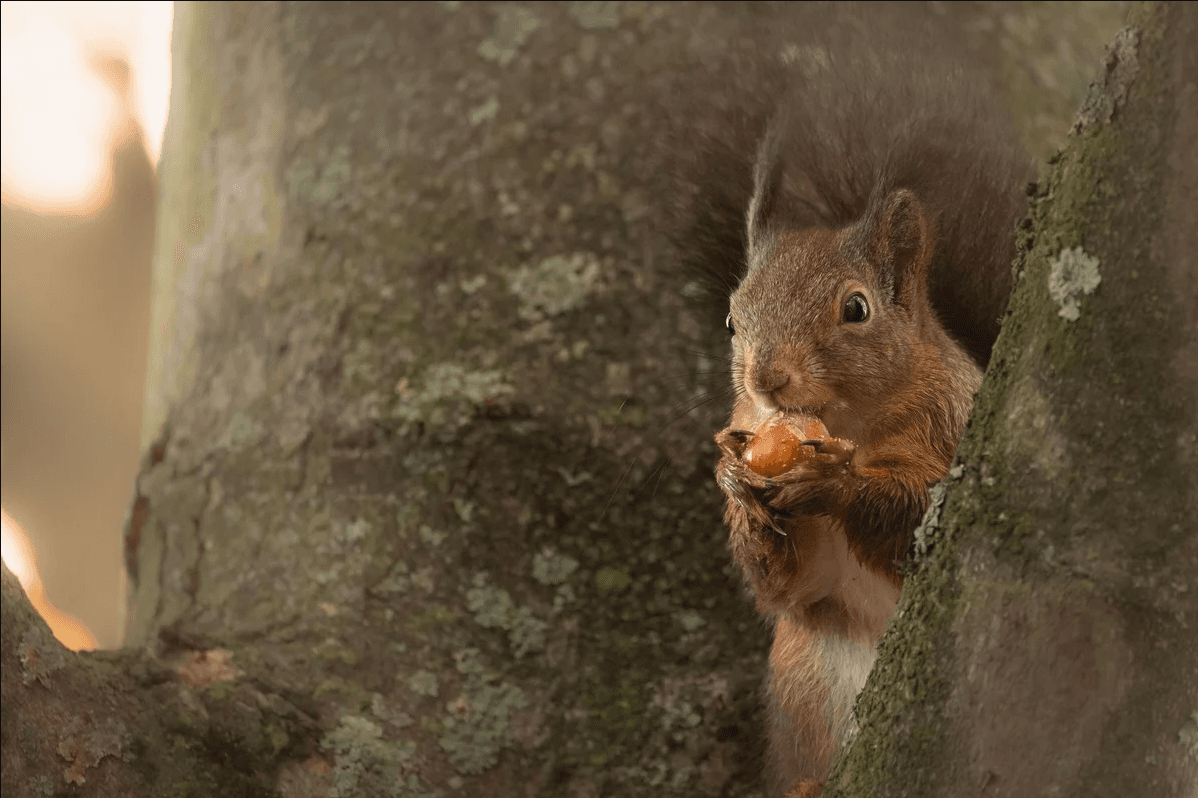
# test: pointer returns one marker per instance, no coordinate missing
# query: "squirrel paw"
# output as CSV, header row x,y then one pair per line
x,y
805,488
772,521
745,491
816,462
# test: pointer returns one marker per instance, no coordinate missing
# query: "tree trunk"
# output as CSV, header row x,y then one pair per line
x,y
1049,643
421,513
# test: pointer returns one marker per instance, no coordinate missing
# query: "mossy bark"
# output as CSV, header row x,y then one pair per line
x,y
1048,646
420,512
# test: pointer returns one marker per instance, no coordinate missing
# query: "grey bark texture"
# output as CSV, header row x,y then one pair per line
x,y
421,513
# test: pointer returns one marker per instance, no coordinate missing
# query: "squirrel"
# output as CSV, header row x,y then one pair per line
x,y
865,214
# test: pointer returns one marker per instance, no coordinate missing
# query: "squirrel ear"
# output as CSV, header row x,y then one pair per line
x,y
901,241
767,184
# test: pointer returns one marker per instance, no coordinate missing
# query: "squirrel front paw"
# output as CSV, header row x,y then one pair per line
x,y
799,469
812,486
747,512
773,521
781,469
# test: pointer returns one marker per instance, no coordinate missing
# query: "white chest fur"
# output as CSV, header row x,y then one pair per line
x,y
846,665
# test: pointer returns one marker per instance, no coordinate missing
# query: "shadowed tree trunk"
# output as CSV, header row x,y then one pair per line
x,y
414,321
1049,643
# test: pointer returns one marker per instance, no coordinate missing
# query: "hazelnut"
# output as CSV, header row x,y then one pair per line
x,y
777,445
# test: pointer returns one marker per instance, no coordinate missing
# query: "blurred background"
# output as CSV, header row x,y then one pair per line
x,y
85,94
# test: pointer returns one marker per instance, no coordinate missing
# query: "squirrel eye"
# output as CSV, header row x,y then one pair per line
x,y
856,309
728,323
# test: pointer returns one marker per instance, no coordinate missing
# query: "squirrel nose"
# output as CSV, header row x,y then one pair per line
x,y
768,380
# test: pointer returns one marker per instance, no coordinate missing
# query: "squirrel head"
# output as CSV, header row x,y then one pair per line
x,y
829,321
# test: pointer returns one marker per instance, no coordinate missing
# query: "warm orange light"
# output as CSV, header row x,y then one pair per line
x,y
66,100
20,558
58,116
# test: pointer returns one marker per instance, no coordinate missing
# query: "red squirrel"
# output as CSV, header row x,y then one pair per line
x,y
877,246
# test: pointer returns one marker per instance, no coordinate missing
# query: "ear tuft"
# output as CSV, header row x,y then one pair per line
x,y
901,243
767,186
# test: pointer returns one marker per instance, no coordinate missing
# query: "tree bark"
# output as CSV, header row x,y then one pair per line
x,y
420,512
1049,643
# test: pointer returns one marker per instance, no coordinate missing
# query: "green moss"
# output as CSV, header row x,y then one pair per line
x,y
434,617
336,651
612,580
339,690
616,699
277,737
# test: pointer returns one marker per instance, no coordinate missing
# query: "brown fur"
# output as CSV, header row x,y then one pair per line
x,y
904,187
821,544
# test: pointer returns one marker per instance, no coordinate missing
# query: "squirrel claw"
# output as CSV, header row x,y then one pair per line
x,y
837,447
743,487
732,442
